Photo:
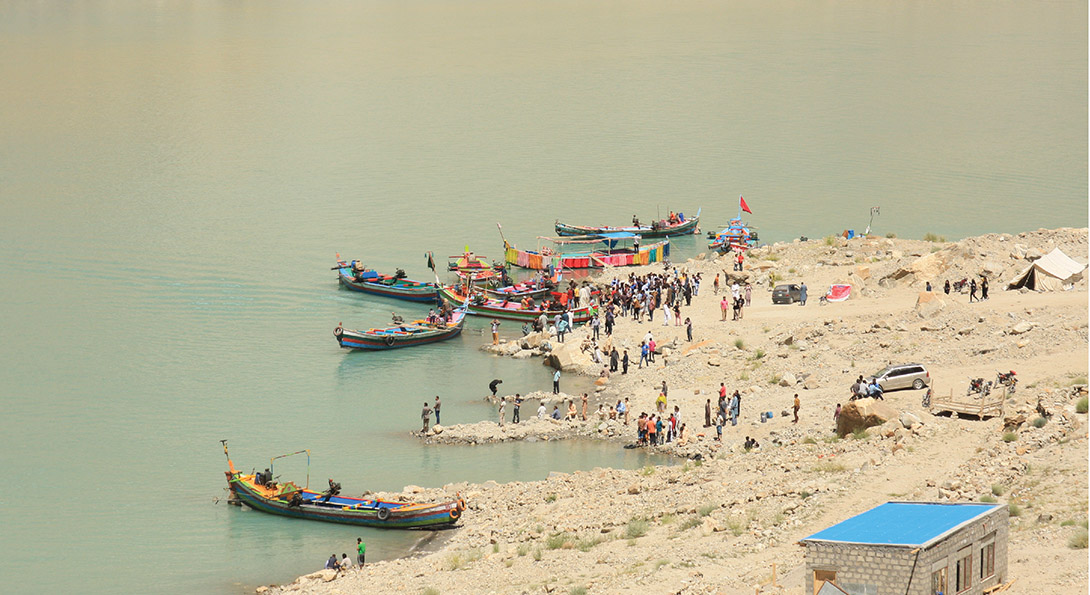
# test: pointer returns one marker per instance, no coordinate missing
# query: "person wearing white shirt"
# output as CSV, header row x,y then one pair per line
x,y
541,411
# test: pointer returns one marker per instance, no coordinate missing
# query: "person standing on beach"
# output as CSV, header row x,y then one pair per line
x,y
738,261
749,294
972,291
665,391
983,287
556,382
624,363
723,308
426,416
689,330
614,359
492,385
643,354
436,408
495,332
715,287
361,551
651,350
584,406
708,414
515,413
946,287
802,294
595,323
798,404
541,411
733,407
503,410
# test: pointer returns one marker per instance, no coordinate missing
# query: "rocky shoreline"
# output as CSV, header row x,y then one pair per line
x,y
719,521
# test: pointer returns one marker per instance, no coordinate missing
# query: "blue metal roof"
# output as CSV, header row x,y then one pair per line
x,y
902,523
616,235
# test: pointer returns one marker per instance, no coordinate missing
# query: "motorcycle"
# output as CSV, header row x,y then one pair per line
x,y
1007,379
980,386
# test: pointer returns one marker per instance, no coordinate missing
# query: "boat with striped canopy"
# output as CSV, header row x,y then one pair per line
x,y
264,493
418,332
352,275
479,305
677,225
612,253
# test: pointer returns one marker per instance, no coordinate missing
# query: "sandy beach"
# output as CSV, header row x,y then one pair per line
x,y
727,520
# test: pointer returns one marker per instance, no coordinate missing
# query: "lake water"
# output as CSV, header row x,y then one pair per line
x,y
175,179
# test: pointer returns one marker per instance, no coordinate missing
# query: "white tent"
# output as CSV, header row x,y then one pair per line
x,y
1048,273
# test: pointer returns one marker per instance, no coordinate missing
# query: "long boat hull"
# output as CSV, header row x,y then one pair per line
x,y
686,227
511,310
518,292
387,286
529,259
339,509
396,337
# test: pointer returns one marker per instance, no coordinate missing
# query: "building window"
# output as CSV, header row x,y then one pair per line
x,y
987,560
938,582
964,573
823,576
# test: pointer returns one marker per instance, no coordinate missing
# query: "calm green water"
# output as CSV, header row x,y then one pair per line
x,y
175,179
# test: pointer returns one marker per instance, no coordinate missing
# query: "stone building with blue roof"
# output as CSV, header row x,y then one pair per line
x,y
912,548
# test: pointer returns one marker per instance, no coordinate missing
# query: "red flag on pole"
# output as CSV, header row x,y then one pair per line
x,y
743,205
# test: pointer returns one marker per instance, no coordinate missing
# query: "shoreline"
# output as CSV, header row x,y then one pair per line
x,y
719,522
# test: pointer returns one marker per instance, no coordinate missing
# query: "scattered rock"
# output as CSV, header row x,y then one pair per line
x,y
1021,328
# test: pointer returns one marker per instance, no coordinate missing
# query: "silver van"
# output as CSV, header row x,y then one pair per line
x,y
903,376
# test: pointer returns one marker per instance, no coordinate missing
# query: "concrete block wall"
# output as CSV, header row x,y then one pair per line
x,y
885,567
972,535
889,568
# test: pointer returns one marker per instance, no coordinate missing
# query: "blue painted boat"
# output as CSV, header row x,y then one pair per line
x,y
353,276
288,499
735,236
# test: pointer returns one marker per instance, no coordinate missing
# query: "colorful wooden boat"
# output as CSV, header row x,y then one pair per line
x,y
354,276
480,305
610,254
736,236
534,288
657,229
470,267
418,332
288,499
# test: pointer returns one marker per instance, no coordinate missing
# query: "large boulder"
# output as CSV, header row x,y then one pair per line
x,y
929,267
862,414
929,304
567,357
533,340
